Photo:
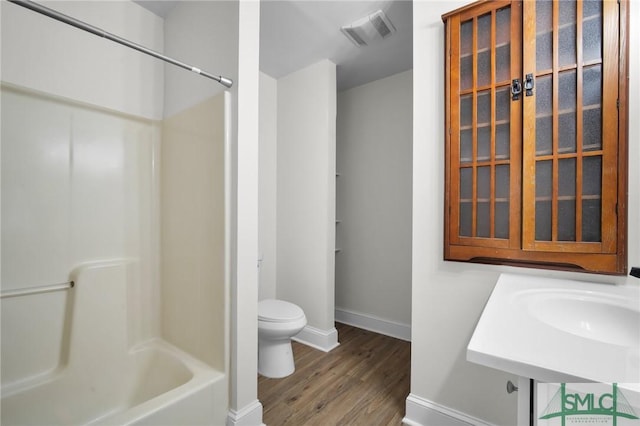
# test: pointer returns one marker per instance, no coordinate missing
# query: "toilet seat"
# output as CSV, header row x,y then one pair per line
x,y
271,310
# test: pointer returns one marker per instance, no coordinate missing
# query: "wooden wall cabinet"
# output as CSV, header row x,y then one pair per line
x,y
536,134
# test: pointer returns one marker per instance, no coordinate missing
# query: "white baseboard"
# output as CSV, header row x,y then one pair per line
x,y
375,324
249,415
324,340
422,412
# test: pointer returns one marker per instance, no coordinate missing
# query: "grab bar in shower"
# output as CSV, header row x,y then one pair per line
x,y
37,290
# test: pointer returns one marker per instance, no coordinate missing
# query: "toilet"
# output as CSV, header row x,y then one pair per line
x,y
278,322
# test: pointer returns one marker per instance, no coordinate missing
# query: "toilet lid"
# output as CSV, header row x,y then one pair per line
x,y
272,310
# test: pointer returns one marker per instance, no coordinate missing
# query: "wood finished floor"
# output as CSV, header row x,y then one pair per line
x,y
364,381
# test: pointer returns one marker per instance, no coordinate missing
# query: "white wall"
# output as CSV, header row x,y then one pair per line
x,y
202,34
448,297
306,191
46,55
268,185
78,182
245,409
374,144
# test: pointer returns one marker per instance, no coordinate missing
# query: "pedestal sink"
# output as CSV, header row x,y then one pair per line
x,y
556,330
592,315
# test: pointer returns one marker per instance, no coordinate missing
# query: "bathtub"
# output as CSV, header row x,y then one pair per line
x,y
104,379
163,386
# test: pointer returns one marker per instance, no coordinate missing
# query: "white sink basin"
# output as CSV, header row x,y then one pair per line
x,y
592,315
557,330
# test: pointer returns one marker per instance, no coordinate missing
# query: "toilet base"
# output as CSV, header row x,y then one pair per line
x,y
275,358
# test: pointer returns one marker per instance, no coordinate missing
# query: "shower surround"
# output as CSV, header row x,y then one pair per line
x,y
94,185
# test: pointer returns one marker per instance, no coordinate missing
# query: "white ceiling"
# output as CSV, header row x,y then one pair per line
x,y
294,34
298,33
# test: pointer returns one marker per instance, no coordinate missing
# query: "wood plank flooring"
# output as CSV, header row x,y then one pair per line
x,y
364,381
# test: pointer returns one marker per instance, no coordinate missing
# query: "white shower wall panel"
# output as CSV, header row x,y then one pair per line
x,y
77,185
192,231
78,182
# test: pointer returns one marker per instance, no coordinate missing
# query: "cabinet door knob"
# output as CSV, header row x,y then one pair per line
x,y
528,85
511,388
516,89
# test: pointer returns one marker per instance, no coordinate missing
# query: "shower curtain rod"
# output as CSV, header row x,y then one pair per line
x,y
227,82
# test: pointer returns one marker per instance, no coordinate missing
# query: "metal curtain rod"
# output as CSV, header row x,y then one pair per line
x,y
227,82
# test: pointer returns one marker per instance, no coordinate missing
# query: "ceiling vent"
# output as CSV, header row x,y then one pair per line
x,y
369,29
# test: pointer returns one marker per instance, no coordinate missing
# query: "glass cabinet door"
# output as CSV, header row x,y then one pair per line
x,y
571,116
485,125
536,150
